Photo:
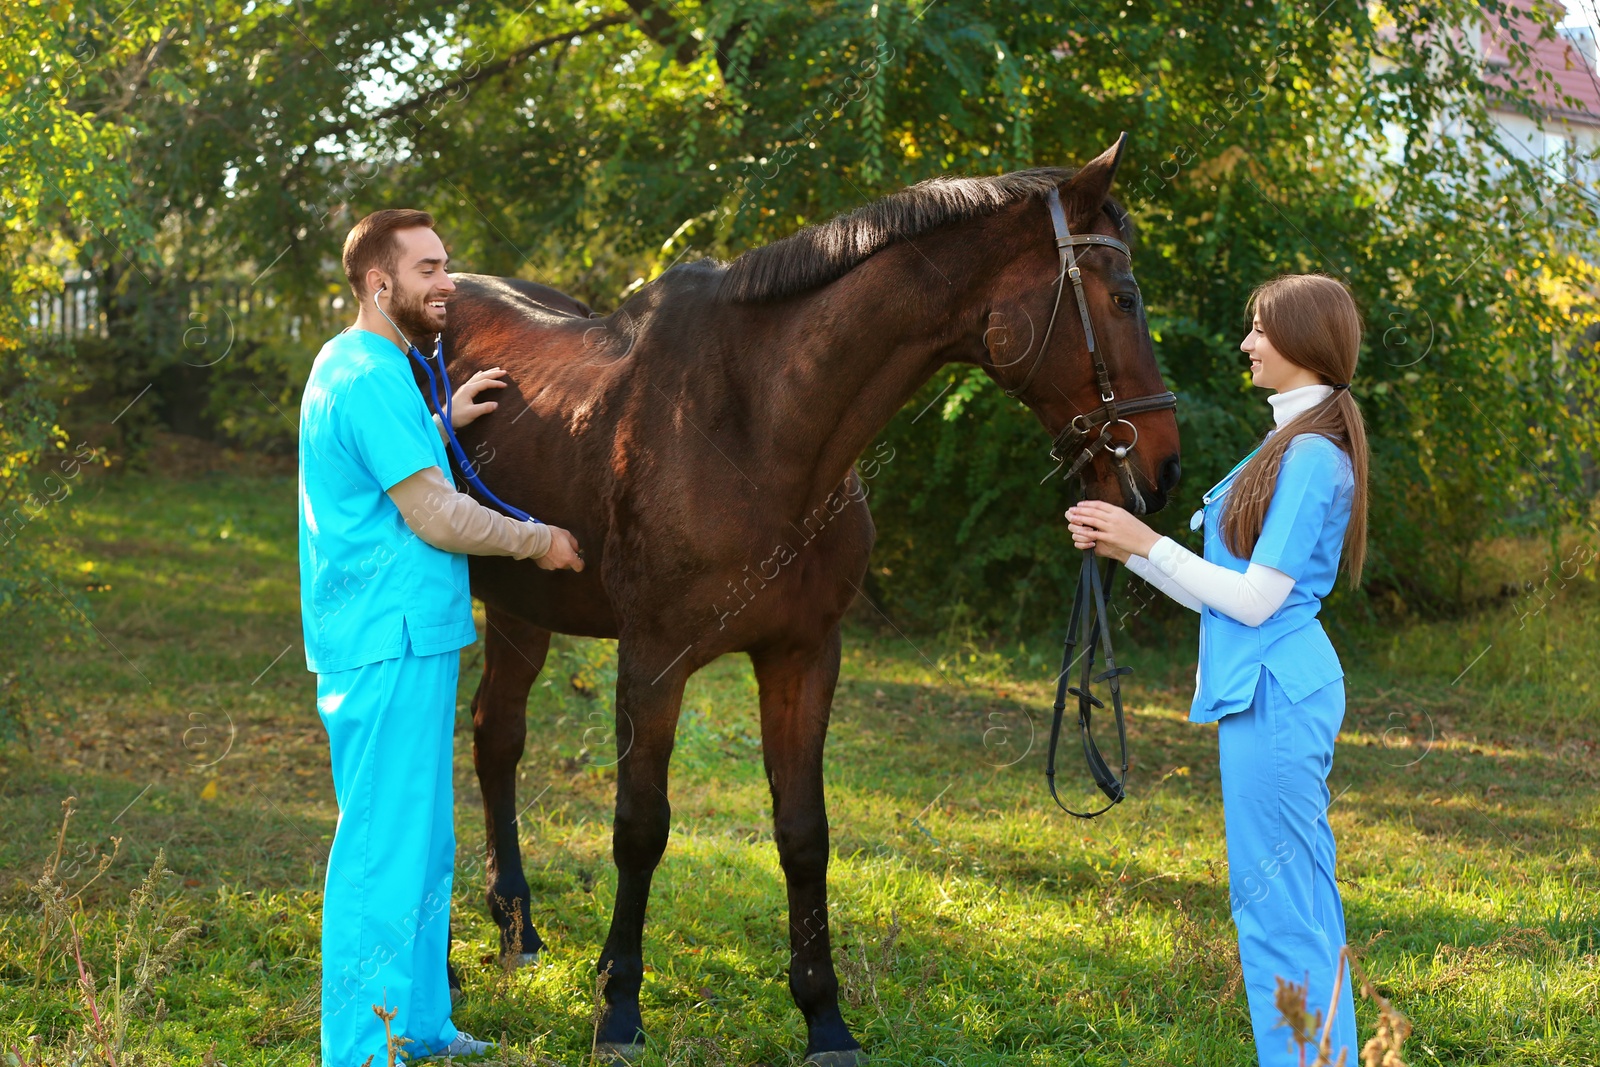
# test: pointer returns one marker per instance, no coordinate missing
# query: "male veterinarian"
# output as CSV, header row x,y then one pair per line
x,y
385,608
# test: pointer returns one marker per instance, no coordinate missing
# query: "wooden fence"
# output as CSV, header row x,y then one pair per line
x,y
73,312
78,311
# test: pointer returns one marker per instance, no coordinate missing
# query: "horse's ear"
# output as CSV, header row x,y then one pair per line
x,y
1089,188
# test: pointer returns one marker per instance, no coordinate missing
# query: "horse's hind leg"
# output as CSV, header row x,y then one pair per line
x,y
452,978
514,653
796,698
648,700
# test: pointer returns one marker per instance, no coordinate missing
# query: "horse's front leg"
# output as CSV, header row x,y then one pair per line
x,y
514,653
796,699
649,692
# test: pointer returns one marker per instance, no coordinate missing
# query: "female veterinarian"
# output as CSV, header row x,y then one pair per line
x,y
1268,676
385,611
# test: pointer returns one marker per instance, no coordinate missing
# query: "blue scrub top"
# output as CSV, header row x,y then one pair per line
x,y
365,579
1302,536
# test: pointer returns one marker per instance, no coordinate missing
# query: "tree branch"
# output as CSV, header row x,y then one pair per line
x,y
664,30
491,70
139,76
661,28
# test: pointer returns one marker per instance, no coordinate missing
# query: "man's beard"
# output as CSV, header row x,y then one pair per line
x,y
410,314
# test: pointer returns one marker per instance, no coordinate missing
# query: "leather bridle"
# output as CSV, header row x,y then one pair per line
x,y
1080,431
1090,434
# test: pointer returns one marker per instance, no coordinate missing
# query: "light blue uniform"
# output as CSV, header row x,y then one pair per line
x,y
1277,695
384,616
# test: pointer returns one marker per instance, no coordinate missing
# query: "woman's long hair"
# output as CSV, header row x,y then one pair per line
x,y
1312,321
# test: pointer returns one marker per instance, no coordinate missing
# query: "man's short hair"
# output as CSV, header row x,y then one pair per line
x,y
371,243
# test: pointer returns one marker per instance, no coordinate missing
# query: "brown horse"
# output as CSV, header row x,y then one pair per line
x,y
699,442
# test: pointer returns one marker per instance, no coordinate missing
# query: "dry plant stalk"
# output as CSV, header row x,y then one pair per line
x,y
393,1045
600,983
96,1029
858,975
1304,1024
145,945
511,957
152,949
1383,1049
55,903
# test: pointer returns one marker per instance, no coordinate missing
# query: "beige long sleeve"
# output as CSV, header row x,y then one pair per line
x,y
454,522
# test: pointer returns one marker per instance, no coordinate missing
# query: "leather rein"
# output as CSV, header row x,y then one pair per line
x,y
1090,434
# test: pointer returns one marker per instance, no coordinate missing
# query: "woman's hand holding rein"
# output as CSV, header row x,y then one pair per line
x,y
1111,531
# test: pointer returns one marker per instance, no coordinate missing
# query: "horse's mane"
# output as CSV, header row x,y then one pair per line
x,y
828,250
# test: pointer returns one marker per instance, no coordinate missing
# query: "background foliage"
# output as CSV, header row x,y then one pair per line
x,y
206,159
59,182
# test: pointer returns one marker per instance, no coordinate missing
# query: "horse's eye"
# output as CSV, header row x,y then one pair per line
x,y
1124,301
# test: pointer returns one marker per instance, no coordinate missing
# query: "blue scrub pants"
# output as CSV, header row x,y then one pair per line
x,y
386,906
1275,759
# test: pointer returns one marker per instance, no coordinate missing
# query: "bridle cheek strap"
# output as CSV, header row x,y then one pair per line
x,y
1080,433
1066,243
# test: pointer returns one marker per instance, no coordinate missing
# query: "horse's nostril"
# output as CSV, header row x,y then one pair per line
x,y
1170,472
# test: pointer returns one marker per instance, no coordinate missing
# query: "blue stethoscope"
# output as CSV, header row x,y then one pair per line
x,y
1198,519
443,411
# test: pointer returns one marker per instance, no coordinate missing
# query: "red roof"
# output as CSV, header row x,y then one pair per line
x,y
1571,72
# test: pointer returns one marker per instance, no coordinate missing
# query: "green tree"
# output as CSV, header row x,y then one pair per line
x,y
60,183
593,145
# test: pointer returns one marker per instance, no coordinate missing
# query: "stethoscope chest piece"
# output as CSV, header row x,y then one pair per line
x,y
1215,493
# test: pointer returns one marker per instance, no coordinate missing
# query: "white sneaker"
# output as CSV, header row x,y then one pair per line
x,y
464,1045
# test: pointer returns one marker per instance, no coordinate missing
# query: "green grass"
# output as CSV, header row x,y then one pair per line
x,y
974,924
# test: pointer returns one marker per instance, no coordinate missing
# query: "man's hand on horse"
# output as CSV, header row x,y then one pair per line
x,y
464,406
1109,530
564,553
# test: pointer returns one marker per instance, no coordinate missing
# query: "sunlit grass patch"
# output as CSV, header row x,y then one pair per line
x,y
972,923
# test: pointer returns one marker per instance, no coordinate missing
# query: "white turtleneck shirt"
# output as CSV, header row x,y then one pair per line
x,y
1251,597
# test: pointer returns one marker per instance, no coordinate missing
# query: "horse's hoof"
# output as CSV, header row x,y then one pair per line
x,y
515,961
850,1057
617,1052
